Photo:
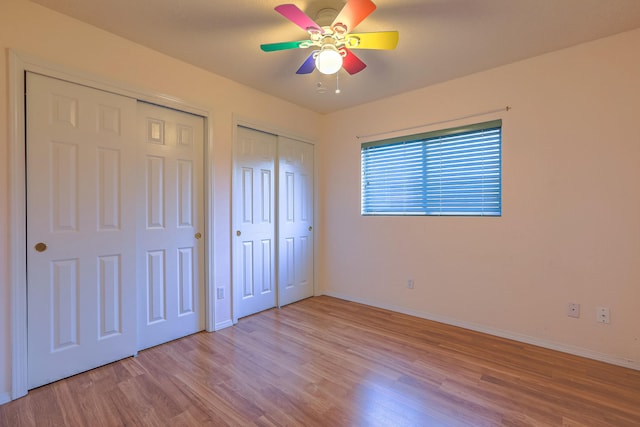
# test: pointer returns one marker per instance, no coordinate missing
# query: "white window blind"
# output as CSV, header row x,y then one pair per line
x,y
450,172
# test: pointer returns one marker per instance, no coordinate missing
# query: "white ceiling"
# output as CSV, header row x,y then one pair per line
x,y
439,39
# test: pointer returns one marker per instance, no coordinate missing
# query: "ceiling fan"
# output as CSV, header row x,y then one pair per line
x,y
333,43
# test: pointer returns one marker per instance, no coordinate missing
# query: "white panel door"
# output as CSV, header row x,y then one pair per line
x,y
170,241
295,220
254,279
81,290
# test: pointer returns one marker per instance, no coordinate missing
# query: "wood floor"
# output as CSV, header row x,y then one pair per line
x,y
328,362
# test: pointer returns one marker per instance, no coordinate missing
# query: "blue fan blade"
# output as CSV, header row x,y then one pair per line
x,y
308,66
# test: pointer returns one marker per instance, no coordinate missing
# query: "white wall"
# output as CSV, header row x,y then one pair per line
x,y
570,229
52,37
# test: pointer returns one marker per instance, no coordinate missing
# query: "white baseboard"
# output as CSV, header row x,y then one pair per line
x,y
5,397
564,348
223,325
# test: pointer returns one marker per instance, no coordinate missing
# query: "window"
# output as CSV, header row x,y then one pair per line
x,y
454,171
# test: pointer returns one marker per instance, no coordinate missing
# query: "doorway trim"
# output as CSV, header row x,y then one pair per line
x,y
237,121
19,64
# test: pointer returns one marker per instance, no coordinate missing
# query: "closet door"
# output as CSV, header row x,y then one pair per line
x,y
295,220
253,210
170,242
80,231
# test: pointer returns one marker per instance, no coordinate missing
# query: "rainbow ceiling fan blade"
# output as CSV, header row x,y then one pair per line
x,y
384,40
308,65
272,47
298,17
352,64
353,13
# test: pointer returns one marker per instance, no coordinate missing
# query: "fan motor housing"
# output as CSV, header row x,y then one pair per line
x,y
325,17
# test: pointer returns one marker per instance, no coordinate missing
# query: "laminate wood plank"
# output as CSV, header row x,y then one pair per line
x,y
329,362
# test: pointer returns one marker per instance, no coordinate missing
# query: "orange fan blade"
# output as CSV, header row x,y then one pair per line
x,y
353,13
387,40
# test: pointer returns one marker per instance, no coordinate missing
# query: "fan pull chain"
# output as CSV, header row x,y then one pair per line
x,y
337,83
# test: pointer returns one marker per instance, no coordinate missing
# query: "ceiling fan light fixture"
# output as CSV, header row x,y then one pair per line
x,y
329,60
331,36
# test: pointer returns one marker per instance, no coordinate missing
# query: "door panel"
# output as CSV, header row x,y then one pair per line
x,y
81,285
170,248
295,221
253,222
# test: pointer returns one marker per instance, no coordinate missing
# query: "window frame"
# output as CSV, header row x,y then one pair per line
x,y
423,140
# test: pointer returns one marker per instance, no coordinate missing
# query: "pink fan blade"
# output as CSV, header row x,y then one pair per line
x,y
308,66
352,63
353,13
298,17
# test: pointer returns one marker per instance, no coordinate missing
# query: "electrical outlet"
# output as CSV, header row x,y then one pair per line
x,y
603,314
410,284
220,293
573,310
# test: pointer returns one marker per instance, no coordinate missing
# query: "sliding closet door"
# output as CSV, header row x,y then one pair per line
x,y
170,242
253,239
80,232
295,220
110,183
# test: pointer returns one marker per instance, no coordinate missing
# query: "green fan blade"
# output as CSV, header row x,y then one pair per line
x,y
271,47
381,40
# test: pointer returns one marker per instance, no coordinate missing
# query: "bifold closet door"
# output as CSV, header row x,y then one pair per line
x,y
170,243
81,290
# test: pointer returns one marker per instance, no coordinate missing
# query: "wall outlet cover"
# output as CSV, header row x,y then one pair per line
x,y
573,310
603,315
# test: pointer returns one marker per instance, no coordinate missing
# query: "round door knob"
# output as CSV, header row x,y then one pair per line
x,y
40,247
238,233
310,228
198,235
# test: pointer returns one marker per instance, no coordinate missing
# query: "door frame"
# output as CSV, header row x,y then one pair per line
x,y
239,120
19,64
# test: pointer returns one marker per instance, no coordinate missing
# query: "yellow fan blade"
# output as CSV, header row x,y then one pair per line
x,y
387,40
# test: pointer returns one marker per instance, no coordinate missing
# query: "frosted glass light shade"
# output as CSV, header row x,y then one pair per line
x,y
329,60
